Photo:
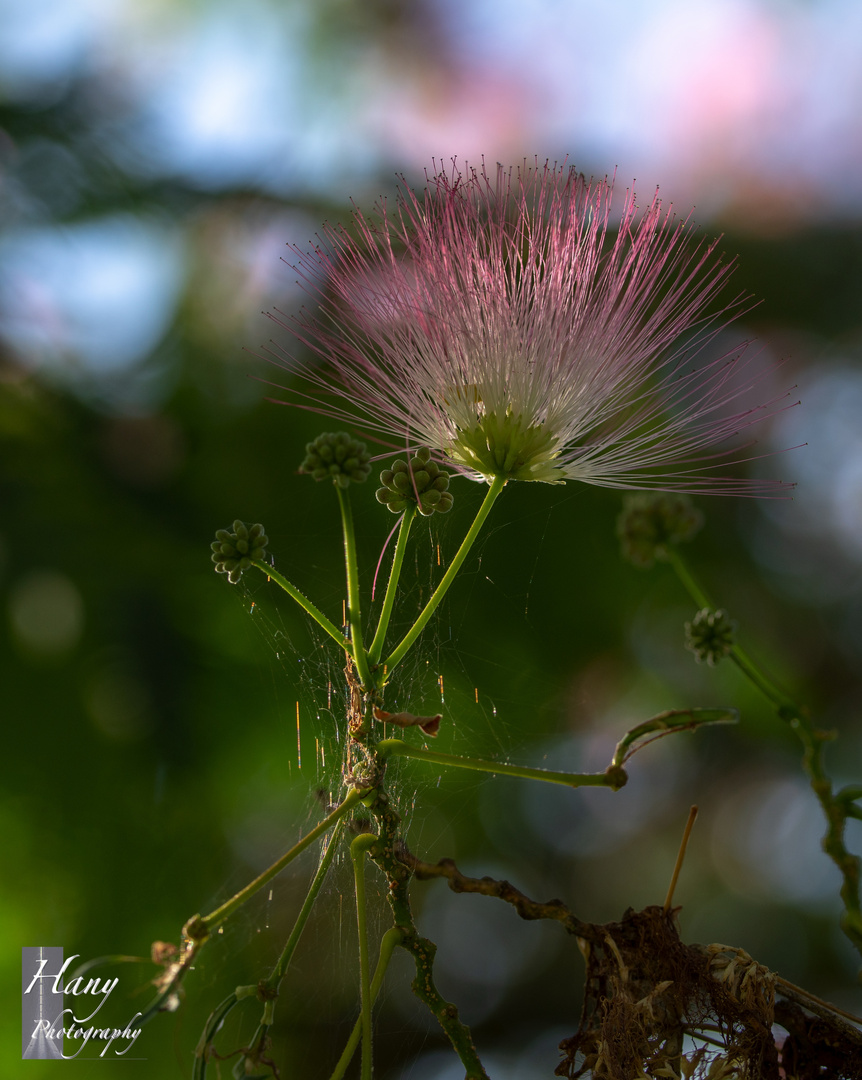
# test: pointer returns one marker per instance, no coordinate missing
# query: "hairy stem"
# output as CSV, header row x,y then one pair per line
x,y
305,604
398,653
376,647
354,612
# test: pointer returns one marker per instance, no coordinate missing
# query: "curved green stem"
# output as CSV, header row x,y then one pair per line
x,y
392,587
391,938
270,986
305,604
835,809
737,654
215,918
358,850
665,724
397,654
615,778
214,1022
751,671
690,585
304,912
354,613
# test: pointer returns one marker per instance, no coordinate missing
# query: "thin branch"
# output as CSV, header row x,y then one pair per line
x,y
460,883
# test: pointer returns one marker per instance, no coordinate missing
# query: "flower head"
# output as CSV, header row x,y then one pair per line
x,y
499,321
335,456
420,482
234,549
652,522
710,635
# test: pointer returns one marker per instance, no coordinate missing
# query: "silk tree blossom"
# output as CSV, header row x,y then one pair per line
x,y
500,321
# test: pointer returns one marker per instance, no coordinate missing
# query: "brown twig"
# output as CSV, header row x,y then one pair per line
x,y
488,886
692,814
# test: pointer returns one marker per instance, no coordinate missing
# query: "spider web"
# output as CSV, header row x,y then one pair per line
x,y
307,676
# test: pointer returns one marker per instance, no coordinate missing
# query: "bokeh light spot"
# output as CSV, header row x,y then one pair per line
x,y
46,612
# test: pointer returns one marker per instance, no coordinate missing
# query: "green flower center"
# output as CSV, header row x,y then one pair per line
x,y
504,445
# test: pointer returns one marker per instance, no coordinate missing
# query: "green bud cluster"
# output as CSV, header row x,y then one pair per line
x,y
234,549
710,635
650,522
338,457
421,476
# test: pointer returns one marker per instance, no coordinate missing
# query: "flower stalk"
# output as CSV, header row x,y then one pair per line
x,y
322,621
400,650
358,850
354,613
614,778
209,922
376,647
835,809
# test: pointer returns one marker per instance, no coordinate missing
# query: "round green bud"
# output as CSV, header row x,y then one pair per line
x,y
650,522
234,550
337,457
710,635
420,482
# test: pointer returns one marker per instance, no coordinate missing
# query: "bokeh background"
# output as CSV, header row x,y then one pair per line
x,y
155,158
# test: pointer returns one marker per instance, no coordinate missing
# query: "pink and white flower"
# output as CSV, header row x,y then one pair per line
x,y
500,321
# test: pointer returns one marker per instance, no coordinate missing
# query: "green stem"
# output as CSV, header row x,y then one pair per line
x,y
392,587
304,912
689,584
737,654
835,809
305,604
397,654
614,778
214,1022
354,613
215,918
751,671
358,850
391,938
267,990
666,723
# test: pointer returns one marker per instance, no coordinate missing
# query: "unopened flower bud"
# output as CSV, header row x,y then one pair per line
x,y
234,549
420,482
710,635
650,522
338,457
